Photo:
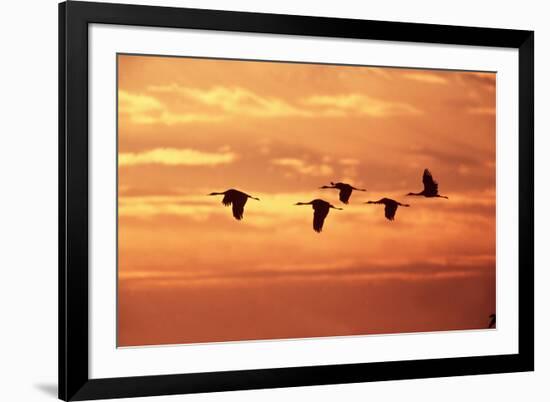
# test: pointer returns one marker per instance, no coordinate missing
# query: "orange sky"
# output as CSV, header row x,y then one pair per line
x,y
189,272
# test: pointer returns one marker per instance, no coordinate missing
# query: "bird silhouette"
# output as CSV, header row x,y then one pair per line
x,y
345,190
236,198
492,321
390,206
430,186
320,212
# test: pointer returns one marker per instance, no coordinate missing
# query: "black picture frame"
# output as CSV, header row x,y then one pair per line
x,y
74,381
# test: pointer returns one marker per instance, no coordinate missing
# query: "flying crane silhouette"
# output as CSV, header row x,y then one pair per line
x,y
345,190
390,206
236,198
430,186
320,212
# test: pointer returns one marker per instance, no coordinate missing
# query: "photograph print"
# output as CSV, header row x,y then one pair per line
x,y
263,200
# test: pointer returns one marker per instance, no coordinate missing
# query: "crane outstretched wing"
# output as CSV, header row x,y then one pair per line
x,y
345,193
227,199
389,211
238,207
319,215
430,185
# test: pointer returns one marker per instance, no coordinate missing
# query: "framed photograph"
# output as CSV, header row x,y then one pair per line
x,y
257,200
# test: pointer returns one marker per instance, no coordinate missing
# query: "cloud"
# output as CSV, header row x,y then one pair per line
x,y
152,206
304,167
489,79
349,161
235,100
137,103
487,111
176,156
242,102
426,78
414,271
357,104
145,109
175,118
460,154
479,80
381,72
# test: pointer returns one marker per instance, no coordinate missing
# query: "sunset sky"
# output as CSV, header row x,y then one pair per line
x,y
189,272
